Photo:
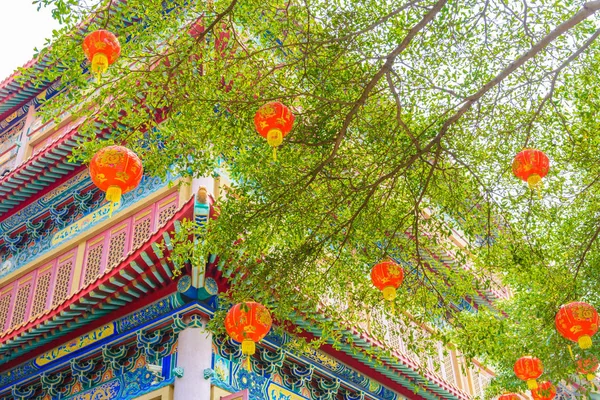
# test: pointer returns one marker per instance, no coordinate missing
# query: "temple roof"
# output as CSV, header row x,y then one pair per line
x,y
144,275
398,368
14,94
44,169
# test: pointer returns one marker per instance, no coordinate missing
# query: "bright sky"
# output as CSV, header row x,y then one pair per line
x,y
22,29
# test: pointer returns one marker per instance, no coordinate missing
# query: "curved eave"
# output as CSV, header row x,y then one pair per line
x,y
399,368
142,272
14,94
449,262
43,170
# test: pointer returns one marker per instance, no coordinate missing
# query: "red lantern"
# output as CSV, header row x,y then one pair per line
x,y
387,276
197,28
116,170
577,322
274,121
509,396
531,166
528,369
588,366
248,323
544,391
101,48
222,41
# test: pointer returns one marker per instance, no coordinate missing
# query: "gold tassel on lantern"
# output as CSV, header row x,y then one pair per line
x,y
532,384
274,139
389,293
585,342
535,183
113,195
248,349
99,65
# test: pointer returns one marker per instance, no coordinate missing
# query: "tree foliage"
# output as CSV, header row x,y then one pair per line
x,y
408,116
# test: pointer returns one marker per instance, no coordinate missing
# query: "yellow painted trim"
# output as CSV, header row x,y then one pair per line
x,y
6,156
185,191
459,377
165,393
98,240
117,229
216,393
78,268
75,344
138,217
30,277
469,379
167,201
217,187
65,258
46,268
84,237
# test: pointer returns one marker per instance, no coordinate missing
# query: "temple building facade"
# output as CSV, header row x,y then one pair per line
x,y
90,309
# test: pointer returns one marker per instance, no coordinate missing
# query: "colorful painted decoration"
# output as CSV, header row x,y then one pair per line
x,y
387,276
509,396
544,391
101,48
531,166
528,369
273,121
578,322
248,323
116,170
588,366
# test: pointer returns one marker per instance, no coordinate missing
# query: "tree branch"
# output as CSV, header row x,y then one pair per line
x,y
387,66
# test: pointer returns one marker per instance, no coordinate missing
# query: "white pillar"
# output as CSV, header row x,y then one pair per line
x,y
194,355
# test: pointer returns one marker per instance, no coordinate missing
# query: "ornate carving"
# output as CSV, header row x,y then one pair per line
x,y
20,249
60,217
120,359
22,393
296,376
84,201
194,321
12,243
56,385
156,345
324,389
88,373
227,348
270,361
34,230
178,372
350,395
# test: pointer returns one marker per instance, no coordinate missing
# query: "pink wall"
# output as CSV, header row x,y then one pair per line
x,y
50,284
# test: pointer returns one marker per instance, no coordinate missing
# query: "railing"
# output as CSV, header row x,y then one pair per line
x,y
444,363
108,248
52,283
